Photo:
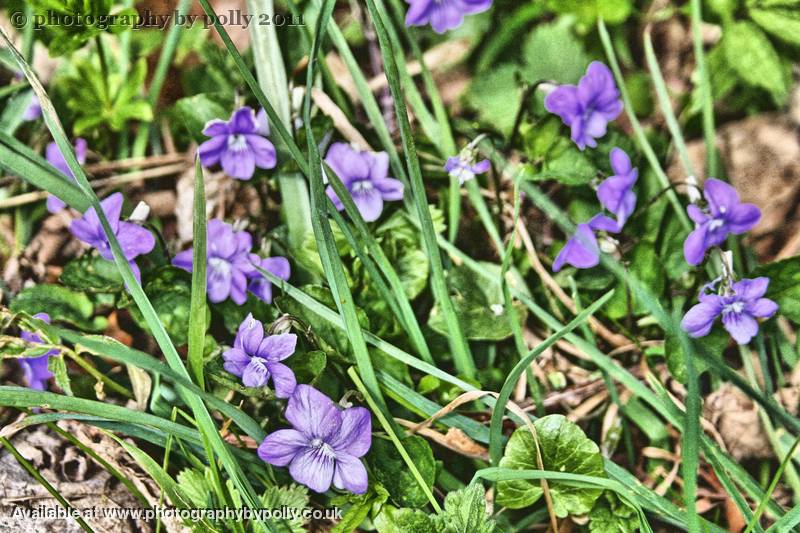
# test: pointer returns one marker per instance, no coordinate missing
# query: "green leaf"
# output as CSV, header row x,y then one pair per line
x,y
194,111
465,512
360,507
170,292
61,304
390,470
478,305
193,486
715,342
566,164
553,53
782,23
754,59
784,285
496,97
610,515
612,11
291,497
564,448
232,314
403,520
92,273
58,367
307,367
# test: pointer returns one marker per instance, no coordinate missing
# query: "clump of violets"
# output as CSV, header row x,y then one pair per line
x,y
366,177
582,249
443,15
464,167
35,369
324,444
231,270
724,215
56,158
256,358
238,145
616,192
588,107
740,304
133,238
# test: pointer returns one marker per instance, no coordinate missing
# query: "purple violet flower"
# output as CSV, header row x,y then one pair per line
x,y
588,107
726,214
465,168
325,444
33,111
261,286
56,158
739,307
365,175
239,145
582,250
616,192
231,265
443,15
35,369
256,358
133,238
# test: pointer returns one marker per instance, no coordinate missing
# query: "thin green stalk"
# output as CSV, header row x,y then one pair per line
x,y
387,427
709,132
197,309
666,105
462,356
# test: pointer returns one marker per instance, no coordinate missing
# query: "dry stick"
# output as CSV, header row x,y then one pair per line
x,y
596,325
158,172
340,121
136,162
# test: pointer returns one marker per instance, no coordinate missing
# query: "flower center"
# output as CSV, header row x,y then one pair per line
x,y
237,142
218,268
716,223
322,447
735,307
361,186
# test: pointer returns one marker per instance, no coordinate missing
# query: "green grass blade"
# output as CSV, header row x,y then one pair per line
x,y
272,79
462,356
706,98
666,105
197,309
388,427
331,262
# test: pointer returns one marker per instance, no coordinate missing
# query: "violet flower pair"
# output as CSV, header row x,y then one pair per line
x,y
739,303
231,269
325,443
